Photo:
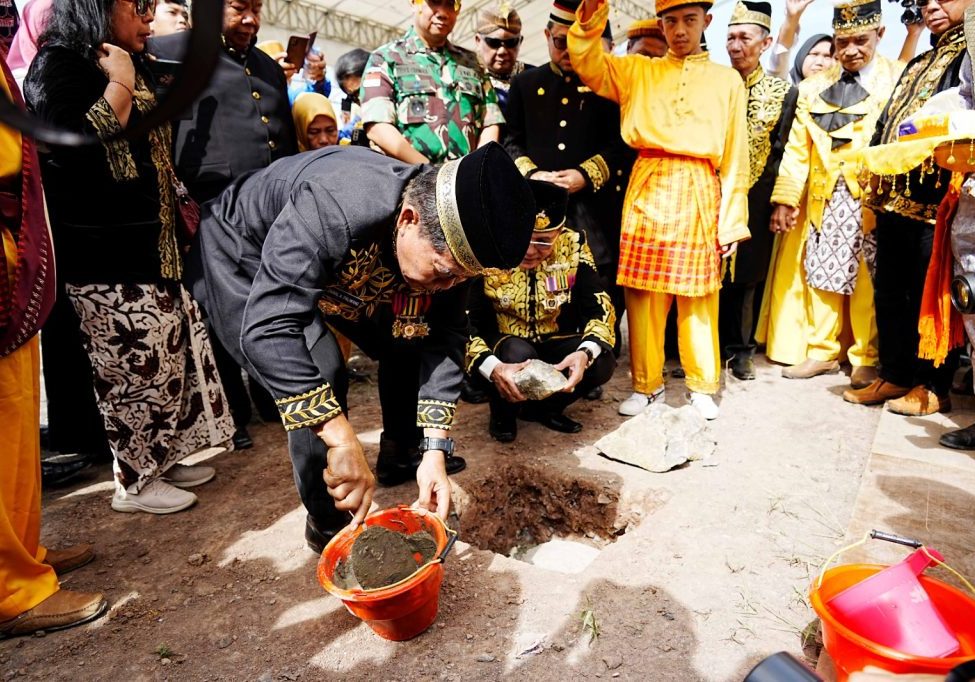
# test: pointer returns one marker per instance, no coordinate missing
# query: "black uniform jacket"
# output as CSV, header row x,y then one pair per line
x,y
307,241
103,198
562,296
771,111
555,122
917,195
241,122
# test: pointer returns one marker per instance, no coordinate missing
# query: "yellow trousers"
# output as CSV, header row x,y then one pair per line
x,y
24,580
826,313
783,321
697,339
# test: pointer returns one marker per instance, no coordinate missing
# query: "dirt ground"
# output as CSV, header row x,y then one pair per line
x,y
708,572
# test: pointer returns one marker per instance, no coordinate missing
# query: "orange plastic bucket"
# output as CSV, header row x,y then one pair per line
x,y
405,609
852,652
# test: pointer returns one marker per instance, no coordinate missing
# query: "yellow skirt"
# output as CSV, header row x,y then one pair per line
x,y
669,236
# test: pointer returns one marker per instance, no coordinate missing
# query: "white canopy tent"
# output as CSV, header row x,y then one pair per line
x,y
344,24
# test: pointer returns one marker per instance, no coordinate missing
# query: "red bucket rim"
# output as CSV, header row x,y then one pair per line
x,y
421,573
825,615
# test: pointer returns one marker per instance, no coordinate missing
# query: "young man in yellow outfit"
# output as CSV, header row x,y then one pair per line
x,y
836,114
686,205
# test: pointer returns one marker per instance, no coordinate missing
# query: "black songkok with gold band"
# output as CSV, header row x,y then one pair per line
x,y
758,13
486,210
856,16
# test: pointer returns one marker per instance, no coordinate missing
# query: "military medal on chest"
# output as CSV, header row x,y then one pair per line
x,y
410,309
558,282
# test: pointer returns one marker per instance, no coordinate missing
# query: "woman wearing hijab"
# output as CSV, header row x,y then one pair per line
x,y
815,55
315,121
113,215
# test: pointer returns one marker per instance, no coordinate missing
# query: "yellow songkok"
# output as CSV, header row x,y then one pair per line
x,y
644,27
665,5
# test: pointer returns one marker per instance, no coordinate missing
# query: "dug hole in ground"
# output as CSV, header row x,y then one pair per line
x,y
571,566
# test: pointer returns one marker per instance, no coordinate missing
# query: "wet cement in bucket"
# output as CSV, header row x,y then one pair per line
x,y
382,557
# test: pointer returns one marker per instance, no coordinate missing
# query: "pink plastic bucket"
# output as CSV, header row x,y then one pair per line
x,y
892,608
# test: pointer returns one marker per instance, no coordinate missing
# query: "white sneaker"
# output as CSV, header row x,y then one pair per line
x,y
704,404
157,497
638,402
185,476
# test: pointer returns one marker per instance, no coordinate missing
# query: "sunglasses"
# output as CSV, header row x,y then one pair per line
x,y
560,42
143,7
497,43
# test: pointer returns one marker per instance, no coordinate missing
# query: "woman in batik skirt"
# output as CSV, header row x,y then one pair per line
x,y
114,217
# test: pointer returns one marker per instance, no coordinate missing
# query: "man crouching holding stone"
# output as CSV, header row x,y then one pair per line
x,y
346,238
551,307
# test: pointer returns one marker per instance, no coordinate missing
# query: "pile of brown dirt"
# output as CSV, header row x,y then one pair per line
x,y
382,557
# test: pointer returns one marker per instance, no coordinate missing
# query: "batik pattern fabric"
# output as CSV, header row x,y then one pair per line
x,y
833,252
156,381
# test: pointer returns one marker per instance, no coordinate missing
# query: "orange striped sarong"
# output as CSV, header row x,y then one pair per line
x,y
669,235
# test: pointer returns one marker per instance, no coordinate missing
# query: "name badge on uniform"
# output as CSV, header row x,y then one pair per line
x,y
340,302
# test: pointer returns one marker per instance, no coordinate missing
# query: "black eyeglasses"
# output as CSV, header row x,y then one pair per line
x,y
560,42
496,43
143,7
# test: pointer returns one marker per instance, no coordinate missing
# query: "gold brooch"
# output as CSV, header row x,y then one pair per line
x,y
542,221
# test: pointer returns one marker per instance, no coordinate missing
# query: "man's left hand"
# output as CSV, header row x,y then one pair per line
x,y
315,67
571,180
576,363
431,479
289,69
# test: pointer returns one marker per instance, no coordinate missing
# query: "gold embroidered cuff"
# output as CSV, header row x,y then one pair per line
x,y
476,349
597,171
435,414
120,162
525,165
309,409
603,329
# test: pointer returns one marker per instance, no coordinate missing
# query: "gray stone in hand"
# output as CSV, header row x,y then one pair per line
x,y
538,380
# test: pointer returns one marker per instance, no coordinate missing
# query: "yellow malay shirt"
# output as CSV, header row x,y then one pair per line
x,y
688,107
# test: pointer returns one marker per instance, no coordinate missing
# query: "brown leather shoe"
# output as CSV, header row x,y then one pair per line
x,y
877,393
863,376
920,402
68,559
809,368
63,609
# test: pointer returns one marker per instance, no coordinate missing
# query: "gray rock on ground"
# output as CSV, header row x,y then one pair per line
x,y
660,439
538,380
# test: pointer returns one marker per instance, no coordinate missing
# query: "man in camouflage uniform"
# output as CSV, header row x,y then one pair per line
x,y
425,100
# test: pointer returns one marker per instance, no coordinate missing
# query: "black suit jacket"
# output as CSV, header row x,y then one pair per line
x,y
241,122
554,122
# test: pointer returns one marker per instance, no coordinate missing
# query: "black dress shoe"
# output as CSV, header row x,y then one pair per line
x,y
315,537
503,429
393,469
595,394
455,464
962,439
360,375
743,367
242,439
470,393
57,468
555,421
